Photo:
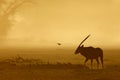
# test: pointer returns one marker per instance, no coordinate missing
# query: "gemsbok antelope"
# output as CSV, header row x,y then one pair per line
x,y
90,53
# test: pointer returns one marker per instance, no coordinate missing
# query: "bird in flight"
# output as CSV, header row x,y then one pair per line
x,y
59,44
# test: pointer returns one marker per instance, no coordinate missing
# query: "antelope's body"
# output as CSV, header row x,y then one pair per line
x,y
90,53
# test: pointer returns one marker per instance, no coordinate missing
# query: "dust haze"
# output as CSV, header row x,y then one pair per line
x,y
38,39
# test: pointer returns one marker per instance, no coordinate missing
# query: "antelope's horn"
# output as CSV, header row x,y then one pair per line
x,y
84,39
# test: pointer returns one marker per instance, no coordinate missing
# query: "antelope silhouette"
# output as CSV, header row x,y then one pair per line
x,y
90,53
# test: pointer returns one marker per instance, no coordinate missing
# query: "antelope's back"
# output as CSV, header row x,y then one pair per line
x,y
92,52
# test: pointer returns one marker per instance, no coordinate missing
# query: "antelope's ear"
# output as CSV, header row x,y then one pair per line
x,y
82,46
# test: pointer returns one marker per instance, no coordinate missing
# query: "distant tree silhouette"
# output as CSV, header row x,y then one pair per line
x,y
7,10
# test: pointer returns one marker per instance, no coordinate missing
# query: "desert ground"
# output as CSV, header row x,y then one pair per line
x,y
56,65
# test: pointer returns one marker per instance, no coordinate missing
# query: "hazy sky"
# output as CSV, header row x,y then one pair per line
x,y
69,22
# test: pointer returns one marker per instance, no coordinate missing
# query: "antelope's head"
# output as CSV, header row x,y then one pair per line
x,y
80,47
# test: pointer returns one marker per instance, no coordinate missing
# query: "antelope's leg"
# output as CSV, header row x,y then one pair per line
x,y
91,63
97,63
85,61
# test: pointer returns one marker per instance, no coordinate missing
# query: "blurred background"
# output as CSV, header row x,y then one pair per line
x,y
42,24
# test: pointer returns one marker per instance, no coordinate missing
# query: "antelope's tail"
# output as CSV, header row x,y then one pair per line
x,y
101,58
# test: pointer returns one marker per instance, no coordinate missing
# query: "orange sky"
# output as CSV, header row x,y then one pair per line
x,y
69,22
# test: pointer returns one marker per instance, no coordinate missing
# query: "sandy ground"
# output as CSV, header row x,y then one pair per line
x,y
53,70
57,72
